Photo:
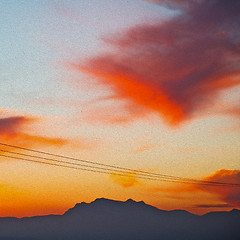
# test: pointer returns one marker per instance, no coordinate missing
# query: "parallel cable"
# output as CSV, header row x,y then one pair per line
x,y
111,168
90,170
96,171
108,165
75,165
106,170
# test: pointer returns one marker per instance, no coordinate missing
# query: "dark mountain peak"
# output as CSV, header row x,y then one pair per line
x,y
80,204
133,202
106,200
102,200
77,206
98,203
105,204
180,212
116,202
122,220
234,210
109,202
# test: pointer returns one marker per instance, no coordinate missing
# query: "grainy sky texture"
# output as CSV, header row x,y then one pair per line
x,y
146,85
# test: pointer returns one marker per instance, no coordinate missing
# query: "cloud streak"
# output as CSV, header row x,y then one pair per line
x,y
17,130
126,180
13,130
174,68
227,194
213,205
230,195
11,125
143,148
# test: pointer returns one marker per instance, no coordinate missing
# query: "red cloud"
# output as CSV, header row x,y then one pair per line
x,y
11,125
175,68
127,179
12,132
230,195
235,111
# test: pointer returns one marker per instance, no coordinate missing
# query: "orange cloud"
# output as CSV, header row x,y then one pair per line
x,y
29,140
113,115
12,131
11,125
127,179
143,148
230,195
235,111
181,188
174,68
140,94
225,205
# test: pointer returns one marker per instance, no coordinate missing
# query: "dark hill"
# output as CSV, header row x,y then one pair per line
x,y
107,219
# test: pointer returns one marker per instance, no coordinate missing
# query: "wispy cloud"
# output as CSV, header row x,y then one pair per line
x,y
227,194
11,125
174,68
234,111
213,205
143,148
230,195
15,130
126,180
117,114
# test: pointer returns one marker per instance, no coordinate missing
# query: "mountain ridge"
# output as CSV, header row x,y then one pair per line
x,y
119,220
128,201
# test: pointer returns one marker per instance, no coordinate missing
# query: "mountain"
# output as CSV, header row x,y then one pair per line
x,y
107,219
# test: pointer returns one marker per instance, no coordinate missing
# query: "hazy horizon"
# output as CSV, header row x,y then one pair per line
x,y
119,99
124,201
108,219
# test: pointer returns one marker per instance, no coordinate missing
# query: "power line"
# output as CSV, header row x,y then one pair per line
x,y
75,165
101,169
96,171
84,165
58,165
85,169
110,166
81,160
60,161
109,169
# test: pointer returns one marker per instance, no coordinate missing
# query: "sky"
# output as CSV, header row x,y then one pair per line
x,y
150,85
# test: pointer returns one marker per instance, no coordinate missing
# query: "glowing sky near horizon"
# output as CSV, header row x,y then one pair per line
x,y
150,85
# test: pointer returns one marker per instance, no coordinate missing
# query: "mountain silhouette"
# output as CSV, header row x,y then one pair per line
x,y
107,219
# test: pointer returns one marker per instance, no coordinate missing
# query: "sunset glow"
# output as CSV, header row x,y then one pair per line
x,y
151,87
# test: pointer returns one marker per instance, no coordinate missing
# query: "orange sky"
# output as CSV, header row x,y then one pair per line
x,y
145,85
